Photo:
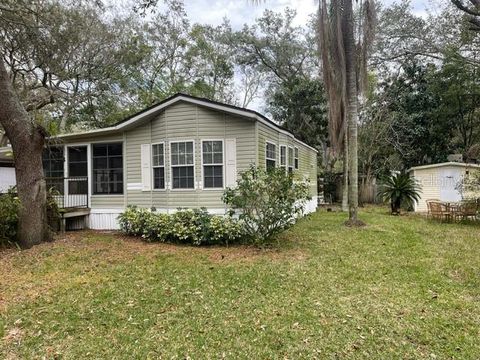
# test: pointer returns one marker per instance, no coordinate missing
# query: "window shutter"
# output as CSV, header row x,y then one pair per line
x,y
146,161
230,162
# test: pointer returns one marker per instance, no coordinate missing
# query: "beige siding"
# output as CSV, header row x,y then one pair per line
x,y
184,121
266,133
427,178
307,166
307,157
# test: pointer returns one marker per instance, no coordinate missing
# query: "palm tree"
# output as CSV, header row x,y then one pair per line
x,y
344,70
399,189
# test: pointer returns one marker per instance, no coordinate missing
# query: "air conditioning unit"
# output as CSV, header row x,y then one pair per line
x,y
455,158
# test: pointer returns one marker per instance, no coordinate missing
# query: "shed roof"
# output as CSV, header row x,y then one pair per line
x,y
431,166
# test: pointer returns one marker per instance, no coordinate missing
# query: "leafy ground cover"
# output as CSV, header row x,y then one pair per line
x,y
402,287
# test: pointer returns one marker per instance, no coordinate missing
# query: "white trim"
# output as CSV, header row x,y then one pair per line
x,y
172,166
465,165
267,158
152,111
107,211
159,166
288,158
66,172
202,181
123,165
280,156
296,156
135,186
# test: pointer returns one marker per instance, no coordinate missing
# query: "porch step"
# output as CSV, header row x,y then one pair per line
x,y
74,212
74,219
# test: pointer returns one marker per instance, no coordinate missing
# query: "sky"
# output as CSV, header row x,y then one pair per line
x,y
243,11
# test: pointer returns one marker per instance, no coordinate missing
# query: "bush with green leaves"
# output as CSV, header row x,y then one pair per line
x,y
267,202
9,207
185,226
9,204
133,220
399,189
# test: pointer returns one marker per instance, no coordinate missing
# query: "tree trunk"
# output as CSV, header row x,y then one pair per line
x,y
345,175
352,112
27,140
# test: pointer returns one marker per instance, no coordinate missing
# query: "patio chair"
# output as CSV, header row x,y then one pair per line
x,y
440,210
429,210
466,210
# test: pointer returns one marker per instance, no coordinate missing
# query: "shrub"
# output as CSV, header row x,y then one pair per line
x,y
9,204
195,227
399,189
267,202
133,220
9,207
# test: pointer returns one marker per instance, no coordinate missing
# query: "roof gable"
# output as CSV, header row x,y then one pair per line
x,y
148,113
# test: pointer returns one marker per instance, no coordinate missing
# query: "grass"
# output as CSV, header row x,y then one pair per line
x,y
402,287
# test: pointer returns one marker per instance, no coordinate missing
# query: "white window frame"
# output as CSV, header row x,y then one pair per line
x,y
159,166
292,165
296,158
124,159
216,164
283,146
267,158
172,166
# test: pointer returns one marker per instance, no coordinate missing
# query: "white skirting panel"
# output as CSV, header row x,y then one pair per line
x,y
311,206
104,219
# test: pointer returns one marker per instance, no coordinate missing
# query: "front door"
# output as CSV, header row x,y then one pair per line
x,y
77,179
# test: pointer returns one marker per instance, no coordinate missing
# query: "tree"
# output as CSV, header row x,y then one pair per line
x,y
27,139
47,67
457,86
344,70
301,107
472,11
64,62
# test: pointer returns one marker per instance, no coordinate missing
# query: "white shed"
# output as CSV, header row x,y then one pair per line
x,y
440,181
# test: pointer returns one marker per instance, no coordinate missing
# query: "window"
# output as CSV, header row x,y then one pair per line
x,y
290,159
296,158
283,156
53,163
158,161
212,155
270,155
107,168
182,165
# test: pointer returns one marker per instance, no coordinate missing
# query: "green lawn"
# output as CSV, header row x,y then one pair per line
x,y
403,287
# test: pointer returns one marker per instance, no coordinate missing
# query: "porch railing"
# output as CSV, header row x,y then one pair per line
x,y
71,192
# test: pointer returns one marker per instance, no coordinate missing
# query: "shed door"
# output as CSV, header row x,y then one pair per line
x,y
448,180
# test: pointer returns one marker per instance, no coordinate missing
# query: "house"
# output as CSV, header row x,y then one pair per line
x,y
440,181
181,152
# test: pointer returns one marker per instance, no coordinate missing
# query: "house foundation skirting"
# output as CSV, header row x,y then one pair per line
x,y
106,219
